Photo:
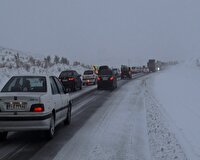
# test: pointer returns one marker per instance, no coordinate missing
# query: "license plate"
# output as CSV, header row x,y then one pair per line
x,y
15,106
105,78
64,80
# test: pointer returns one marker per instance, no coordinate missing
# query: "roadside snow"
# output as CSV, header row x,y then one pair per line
x,y
6,73
163,142
177,93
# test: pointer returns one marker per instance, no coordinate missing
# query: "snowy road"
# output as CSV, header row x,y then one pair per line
x,y
125,124
116,131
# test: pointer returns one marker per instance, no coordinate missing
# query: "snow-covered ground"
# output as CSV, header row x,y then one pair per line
x,y
176,95
154,117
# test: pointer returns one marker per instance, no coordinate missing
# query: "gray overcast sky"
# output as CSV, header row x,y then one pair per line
x,y
103,31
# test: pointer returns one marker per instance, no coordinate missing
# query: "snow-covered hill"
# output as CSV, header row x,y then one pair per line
x,y
13,62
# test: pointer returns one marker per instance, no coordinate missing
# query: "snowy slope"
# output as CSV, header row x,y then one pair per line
x,y
8,65
177,92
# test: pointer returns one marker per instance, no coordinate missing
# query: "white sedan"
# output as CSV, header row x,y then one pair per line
x,y
89,77
33,103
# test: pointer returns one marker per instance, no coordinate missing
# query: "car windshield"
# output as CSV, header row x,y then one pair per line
x,y
88,72
26,84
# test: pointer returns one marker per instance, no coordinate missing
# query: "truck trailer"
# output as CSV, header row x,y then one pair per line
x,y
151,64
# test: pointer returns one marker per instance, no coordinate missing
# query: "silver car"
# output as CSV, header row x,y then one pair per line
x,y
33,103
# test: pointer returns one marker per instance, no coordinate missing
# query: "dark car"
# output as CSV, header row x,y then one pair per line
x,y
106,79
103,67
71,79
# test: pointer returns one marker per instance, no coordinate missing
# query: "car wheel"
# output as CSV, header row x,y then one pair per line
x,y
67,121
3,136
51,131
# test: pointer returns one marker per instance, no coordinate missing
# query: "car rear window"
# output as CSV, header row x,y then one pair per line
x,y
88,72
26,84
105,72
103,67
66,74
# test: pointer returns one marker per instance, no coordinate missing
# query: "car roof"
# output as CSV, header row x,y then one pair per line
x,y
31,75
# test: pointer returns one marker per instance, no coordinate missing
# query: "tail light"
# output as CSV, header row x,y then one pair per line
x,y
37,108
71,79
98,78
111,78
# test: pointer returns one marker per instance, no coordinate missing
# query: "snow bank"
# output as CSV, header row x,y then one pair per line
x,y
177,90
162,140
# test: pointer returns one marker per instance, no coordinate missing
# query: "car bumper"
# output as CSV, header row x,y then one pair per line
x,y
89,80
24,123
68,84
105,84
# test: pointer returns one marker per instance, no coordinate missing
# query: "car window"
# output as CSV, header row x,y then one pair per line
x,y
59,85
103,67
66,74
106,72
75,73
88,72
26,84
54,88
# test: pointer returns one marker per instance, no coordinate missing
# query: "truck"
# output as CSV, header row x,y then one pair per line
x,y
126,72
151,64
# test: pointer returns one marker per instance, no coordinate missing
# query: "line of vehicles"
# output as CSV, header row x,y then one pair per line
x,y
104,76
42,102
